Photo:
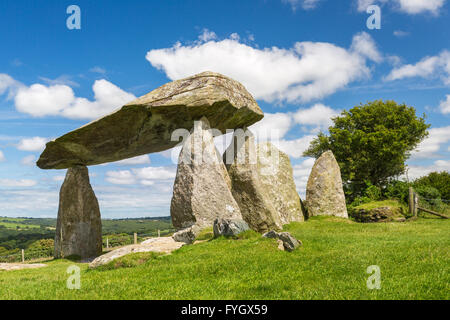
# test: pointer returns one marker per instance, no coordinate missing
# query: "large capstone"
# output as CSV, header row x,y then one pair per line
x,y
146,124
251,195
201,192
79,225
324,191
277,179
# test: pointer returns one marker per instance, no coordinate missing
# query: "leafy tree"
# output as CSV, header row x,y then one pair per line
x,y
371,142
397,189
437,180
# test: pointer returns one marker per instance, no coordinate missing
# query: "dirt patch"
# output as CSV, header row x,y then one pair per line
x,y
159,245
20,266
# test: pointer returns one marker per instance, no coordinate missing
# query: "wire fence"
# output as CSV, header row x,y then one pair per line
x,y
27,255
108,241
435,206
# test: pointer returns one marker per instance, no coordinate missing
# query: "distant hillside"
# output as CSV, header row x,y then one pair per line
x,y
21,233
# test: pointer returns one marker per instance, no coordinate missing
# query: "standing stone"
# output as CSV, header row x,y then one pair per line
x,y
256,206
276,177
146,124
201,192
324,192
79,226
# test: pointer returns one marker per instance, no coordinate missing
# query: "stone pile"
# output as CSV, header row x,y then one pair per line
x,y
286,241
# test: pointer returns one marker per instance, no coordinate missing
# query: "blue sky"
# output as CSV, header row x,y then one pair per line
x,y
303,60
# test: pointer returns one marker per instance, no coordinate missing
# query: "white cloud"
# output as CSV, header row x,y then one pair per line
x,y
144,159
426,67
140,201
39,100
120,177
400,33
318,115
17,183
301,174
294,148
2,156
207,35
307,71
362,5
305,4
97,69
420,171
8,85
32,144
364,44
405,6
444,106
59,178
155,173
61,80
145,176
28,160
432,144
419,6
108,97
273,126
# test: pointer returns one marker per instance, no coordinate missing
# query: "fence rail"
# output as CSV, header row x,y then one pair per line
x,y
26,255
414,206
109,242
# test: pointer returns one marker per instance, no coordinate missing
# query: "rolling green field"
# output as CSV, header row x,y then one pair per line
x,y
28,233
17,224
414,260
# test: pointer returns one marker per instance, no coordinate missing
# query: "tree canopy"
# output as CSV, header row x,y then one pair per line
x,y
438,180
372,142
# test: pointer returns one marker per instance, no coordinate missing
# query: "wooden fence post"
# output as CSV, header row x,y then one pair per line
x,y
159,234
411,201
23,256
416,204
107,243
135,238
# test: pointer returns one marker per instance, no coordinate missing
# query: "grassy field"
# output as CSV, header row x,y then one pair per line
x,y
16,223
383,203
413,257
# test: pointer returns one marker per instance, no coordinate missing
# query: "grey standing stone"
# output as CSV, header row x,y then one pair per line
x,y
324,191
277,179
79,225
256,206
201,192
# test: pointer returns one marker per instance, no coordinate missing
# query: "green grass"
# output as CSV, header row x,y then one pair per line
x,y
14,225
413,258
384,203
